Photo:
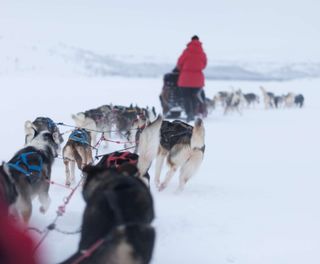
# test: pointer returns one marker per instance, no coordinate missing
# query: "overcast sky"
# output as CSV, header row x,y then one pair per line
x,y
249,30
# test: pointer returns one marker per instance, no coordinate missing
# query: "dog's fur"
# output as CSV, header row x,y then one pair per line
x,y
251,99
299,100
119,209
278,100
8,190
75,152
221,98
124,119
149,141
45,145
185,153
268,98
32,129
289,100
234,102
95,119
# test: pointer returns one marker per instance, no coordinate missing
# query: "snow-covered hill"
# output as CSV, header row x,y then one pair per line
x,y
64,60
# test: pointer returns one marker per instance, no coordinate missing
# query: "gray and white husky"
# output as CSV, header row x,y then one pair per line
x,y
234,102
32,129
98,119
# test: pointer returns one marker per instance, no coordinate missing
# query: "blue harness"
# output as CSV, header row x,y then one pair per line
x,y
80,135
32,172
51,124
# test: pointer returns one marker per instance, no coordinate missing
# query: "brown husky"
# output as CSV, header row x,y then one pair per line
x,y
77,150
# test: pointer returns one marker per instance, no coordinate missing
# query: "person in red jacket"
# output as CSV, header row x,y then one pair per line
x,y
16,246
191,78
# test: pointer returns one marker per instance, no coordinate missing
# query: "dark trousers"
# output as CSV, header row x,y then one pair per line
x,y
189,96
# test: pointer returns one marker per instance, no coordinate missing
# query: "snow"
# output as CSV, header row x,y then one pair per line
x,y
60,59
254,199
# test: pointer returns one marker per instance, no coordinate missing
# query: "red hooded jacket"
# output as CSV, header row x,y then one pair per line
x,y
190,64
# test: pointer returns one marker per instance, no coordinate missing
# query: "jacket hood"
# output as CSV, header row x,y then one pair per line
x,y
195,46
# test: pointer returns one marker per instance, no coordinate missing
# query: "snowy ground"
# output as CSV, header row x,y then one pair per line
x,y
254,200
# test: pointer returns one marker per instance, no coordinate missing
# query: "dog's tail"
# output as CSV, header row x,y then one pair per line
x,y
78,118
198,134
148,145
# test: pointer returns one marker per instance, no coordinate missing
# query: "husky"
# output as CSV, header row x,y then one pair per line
x,y
183,146
299,100
116,224
251,99
147,146
289,100
234,102
117,160
32,129
77,151
128,120
278,101
30,169
221,98
268,98
94,120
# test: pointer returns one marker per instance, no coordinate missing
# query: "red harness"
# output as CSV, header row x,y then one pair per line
x,y
116,159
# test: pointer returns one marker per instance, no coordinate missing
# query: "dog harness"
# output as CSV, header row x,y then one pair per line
x,y
80,135
115,159
31,171
172,131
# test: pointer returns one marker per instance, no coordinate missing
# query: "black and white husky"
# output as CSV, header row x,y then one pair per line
x,y
183,147
8,190
251,99
30,171
32,129
116,224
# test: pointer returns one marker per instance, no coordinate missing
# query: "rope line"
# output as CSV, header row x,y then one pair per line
x,y
60,212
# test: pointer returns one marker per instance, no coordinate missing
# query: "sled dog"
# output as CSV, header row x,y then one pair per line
x,y
268,98
183,147
77,151
32,129
30,170
116,223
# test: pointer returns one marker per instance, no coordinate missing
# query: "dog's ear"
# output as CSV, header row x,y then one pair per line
x,y
30,131
56,137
